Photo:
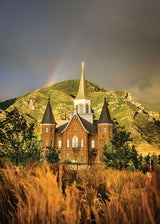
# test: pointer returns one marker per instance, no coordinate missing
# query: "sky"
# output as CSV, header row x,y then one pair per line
x,y
44,41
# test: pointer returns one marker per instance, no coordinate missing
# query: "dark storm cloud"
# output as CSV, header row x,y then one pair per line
x,y
120,40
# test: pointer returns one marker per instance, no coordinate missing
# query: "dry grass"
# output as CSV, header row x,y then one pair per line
x,y
43,194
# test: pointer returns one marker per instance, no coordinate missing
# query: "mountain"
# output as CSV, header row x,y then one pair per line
x,y
144,125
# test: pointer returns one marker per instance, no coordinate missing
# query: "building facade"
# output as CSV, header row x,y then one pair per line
x,y
82,138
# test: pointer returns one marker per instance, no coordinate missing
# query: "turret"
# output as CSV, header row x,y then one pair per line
x,y
48,126
105,126
82,102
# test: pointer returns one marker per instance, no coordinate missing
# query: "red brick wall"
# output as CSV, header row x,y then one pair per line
x,y
74,128
47,136
104,136
94,151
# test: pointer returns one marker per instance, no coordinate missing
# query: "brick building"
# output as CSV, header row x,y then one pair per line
x,y
82,138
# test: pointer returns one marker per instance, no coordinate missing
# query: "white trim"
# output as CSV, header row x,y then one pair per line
x,y
75,114
70,149
105,124
48,124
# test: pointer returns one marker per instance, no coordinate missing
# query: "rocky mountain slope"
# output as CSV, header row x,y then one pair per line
x,y
144,125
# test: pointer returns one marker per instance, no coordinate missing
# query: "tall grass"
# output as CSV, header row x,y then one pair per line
x,y
44,194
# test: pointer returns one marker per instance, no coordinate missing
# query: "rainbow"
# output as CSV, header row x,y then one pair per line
x,y
57,71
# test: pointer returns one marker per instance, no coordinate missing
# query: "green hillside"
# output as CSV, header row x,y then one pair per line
x,y
144,125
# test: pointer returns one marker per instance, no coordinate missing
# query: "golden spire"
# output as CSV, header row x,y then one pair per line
x,y
82,92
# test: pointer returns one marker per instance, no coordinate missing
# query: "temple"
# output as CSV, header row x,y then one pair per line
x,y
82,138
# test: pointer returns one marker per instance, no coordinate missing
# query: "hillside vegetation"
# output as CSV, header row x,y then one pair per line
x,y
144,125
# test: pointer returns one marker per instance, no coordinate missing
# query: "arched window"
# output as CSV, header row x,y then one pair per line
x,y
67,142
81,157
46,130
87,109
92,144
59,144
81,142
67,155
104,129
51,142
81,108
75,141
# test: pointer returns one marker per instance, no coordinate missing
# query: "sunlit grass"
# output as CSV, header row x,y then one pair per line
x,y
45,194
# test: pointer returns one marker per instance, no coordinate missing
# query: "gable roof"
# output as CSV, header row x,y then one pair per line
x,y
48,117
61,128
105,115
75,114
91,128
87,126
82,91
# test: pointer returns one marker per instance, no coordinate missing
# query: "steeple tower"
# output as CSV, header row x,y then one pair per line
x,y
48,126
82,102
82,92
105,117
105,126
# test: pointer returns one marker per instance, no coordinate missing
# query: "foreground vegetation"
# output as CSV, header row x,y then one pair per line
x,y
36,189
43,193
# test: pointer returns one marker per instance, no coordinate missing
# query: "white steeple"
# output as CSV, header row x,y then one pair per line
x,y
82,102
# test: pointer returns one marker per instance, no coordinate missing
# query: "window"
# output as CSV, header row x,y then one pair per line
x,y
42,129
99,143
51,142
110,129
82,143
51,130
104,129
46,130
92,144
74,157
59,144
81,108
59,156
46,142
67,142
99,129
67,155
81,157
87,109
75,141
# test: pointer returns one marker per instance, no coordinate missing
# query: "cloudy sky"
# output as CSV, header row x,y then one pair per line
x,y
44,41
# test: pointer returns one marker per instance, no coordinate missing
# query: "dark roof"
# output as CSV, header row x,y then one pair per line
x,y
105,115
48,117
61,128
91,128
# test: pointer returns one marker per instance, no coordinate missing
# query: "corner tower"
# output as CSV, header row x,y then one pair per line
x,y
48,126
105,126
82,102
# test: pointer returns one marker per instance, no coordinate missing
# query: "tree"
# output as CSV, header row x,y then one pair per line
x,y
120,154
17,139
52,155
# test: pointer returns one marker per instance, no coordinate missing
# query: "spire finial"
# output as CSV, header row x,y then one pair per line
x,y
83,65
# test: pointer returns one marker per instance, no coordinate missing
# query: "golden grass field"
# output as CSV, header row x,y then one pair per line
x,y
43,194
